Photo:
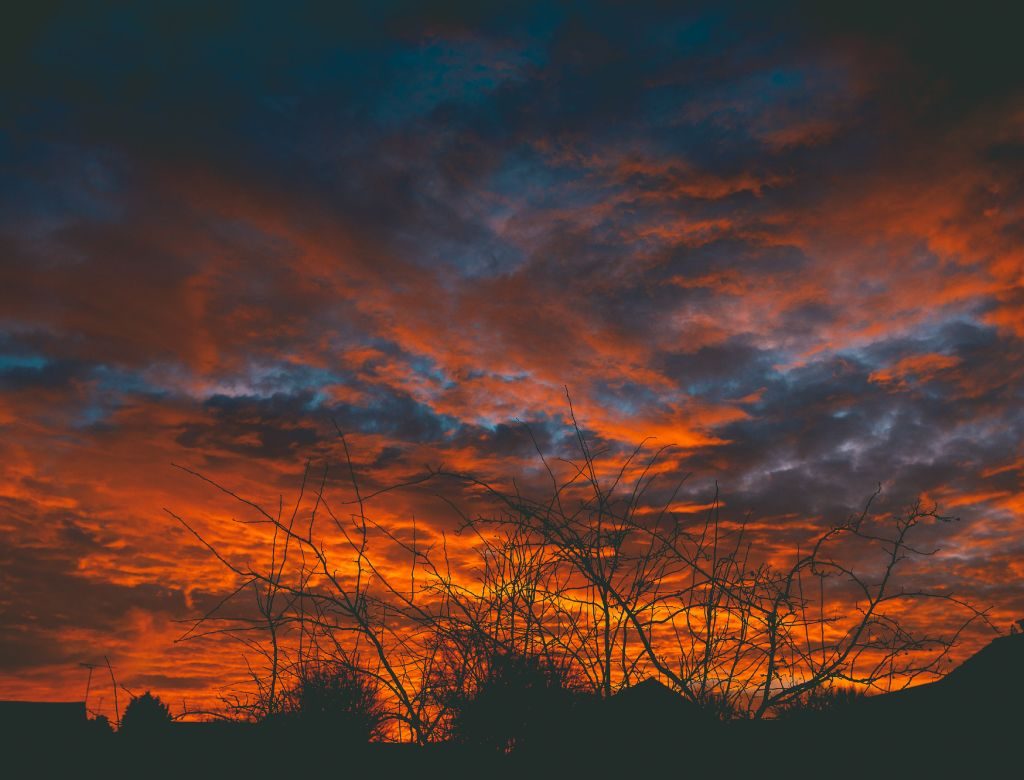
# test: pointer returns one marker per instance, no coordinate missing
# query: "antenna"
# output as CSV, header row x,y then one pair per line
x,y
113,682
88,683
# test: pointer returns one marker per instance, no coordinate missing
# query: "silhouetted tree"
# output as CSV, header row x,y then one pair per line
x,y
521,702
145,716
596,571
641,590
99,727
332,701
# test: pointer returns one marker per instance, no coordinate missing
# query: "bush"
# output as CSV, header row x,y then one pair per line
x,y
522,702
334,702
99,727
817,701
145,715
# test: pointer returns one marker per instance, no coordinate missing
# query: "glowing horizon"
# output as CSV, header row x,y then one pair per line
x,y
788,244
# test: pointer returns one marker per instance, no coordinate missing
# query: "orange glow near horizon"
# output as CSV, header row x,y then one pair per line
x,y
718,233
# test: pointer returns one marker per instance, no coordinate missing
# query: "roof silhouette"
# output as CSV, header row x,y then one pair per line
x,y
35,714
968,692
996,665
652,695
650,707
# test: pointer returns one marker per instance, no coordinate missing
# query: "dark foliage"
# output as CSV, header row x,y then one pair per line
x,y
99,727
835,699
522,702
333,702
145,716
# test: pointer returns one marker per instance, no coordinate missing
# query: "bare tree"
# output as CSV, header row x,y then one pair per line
x,y
590,576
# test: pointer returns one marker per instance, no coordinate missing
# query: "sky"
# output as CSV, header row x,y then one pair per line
x,y
788,241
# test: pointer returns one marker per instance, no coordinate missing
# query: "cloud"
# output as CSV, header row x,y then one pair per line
x,y
787,240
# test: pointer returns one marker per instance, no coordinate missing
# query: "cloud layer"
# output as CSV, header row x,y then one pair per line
x,y
787,242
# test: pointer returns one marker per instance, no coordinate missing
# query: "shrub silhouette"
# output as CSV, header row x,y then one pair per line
x,y
145,716
99,727
816,701
522,702
334,702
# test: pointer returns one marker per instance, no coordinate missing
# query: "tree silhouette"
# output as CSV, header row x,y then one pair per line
x,y
99,727
588,579
521,702
145,716
332,701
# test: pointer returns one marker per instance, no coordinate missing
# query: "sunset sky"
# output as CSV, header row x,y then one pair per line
x,y
790,243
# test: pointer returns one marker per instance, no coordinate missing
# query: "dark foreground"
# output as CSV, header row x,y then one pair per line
x,y
967,725
911,750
